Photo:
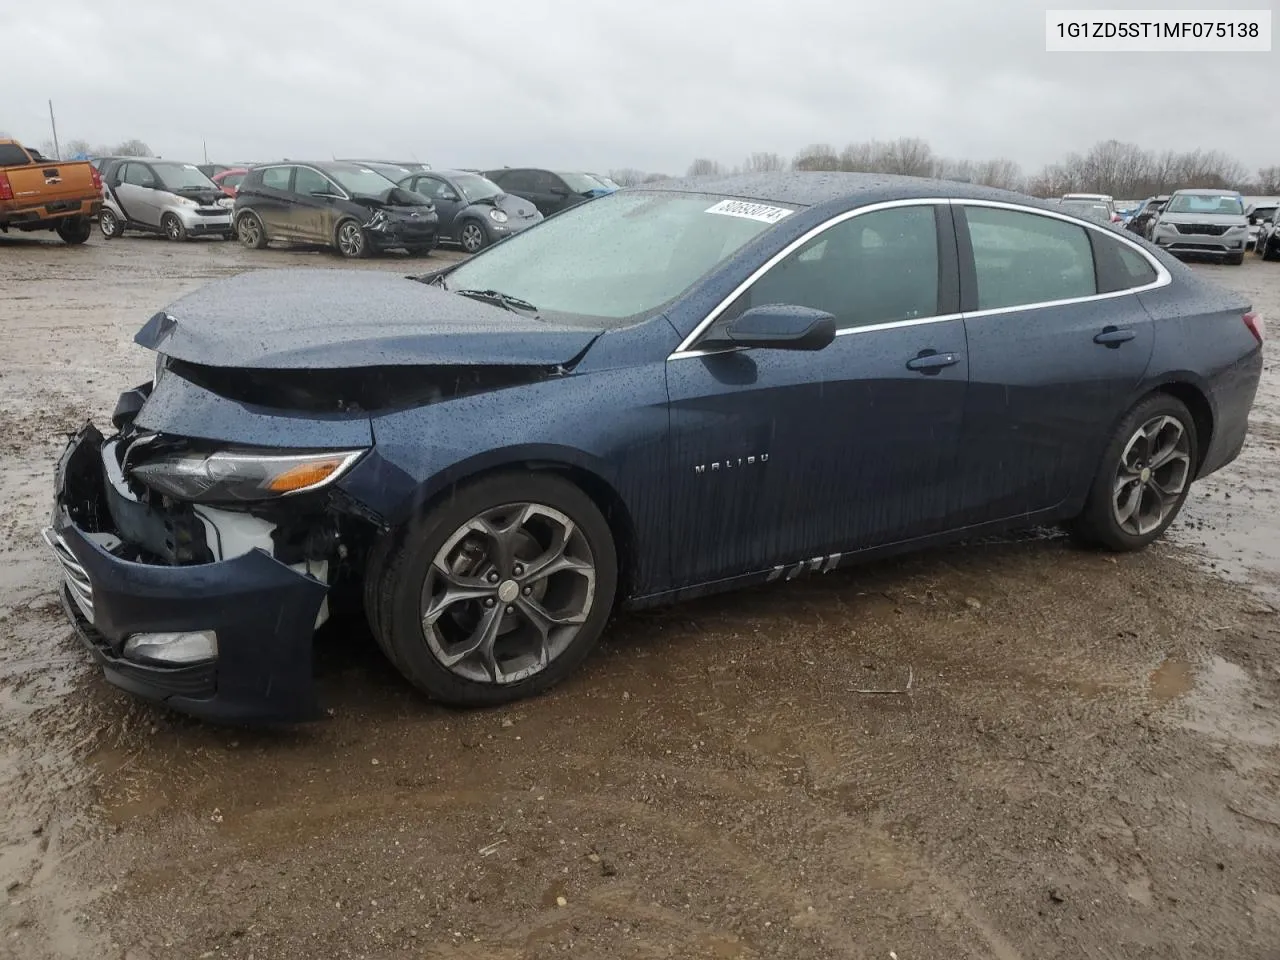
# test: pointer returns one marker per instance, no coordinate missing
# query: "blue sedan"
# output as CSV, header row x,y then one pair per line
x,y
670,391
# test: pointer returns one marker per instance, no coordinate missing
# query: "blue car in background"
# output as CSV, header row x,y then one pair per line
x,y
667,392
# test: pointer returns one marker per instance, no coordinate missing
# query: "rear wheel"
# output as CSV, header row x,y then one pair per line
x,y
1144,477
173,227
472,237
250,231
74,230
498,593
350,240
110,224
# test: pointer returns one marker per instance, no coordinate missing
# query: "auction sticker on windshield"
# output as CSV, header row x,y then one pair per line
x,y
751,211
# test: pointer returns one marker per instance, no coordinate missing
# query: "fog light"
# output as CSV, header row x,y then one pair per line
x,y
172,647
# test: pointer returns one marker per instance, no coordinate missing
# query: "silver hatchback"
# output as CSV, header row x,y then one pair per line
x,y
162,196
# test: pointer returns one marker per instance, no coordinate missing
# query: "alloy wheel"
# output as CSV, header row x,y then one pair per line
x,y
507,593
472,238
172,229
1152,476
351,239
249,231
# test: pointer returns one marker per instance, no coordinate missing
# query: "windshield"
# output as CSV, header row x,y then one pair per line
x,y
362,182
183,176
1205,203
475,187
1090,205
619,258
581,183
1264,213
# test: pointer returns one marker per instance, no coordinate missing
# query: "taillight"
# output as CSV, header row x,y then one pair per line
x,y
6,188
1257,326
97,178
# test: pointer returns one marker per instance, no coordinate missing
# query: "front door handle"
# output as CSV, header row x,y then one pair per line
x,y
931,362
1114,336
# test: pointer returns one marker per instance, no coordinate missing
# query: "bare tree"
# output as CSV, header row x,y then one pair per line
x,y
77,148
702,167
132,148
627,176
656,177
908,156
764,163
817,156
1269,180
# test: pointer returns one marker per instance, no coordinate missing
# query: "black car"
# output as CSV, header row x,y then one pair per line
x,y
343,205
1140,223
548,190
473,210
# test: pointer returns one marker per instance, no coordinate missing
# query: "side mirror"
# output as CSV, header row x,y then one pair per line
x,y
782,327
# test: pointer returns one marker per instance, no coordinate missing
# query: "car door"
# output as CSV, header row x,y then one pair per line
x,y
520,183
273,202
138,195
780,456
447,200
312,212
1057,345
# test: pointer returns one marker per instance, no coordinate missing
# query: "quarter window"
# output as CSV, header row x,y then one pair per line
x,y
1119,266
1024,258
878,267
276,178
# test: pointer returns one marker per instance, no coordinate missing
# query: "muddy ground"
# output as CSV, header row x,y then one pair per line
x,y
1086,763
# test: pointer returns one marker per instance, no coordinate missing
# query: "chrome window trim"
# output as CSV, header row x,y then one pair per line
x,y
327,179
686,349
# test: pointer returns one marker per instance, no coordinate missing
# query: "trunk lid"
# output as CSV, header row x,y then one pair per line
x,y
36,184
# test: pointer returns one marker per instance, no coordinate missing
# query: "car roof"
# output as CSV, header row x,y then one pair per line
x,y
802,188
1206,192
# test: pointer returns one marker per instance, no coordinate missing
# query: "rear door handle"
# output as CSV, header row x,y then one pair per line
x,y
930,361
1114,336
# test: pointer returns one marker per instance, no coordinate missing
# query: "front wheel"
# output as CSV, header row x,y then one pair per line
x,y
110,224
350,240
74,230
498,593
173,227
1144,477
472,237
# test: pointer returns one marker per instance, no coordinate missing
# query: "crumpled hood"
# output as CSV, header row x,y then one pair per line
x,y
342,319
206,197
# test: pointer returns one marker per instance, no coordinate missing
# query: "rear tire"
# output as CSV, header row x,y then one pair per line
x,y
251,232
476,561
349,239
173,227
1143,479
110,225
74,230
1271,249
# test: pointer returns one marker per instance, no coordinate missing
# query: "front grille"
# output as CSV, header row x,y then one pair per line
x,y
213,212
1196,246
78,584
1203,229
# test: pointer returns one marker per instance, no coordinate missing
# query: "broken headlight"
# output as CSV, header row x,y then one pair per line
x,y
498,216
242,475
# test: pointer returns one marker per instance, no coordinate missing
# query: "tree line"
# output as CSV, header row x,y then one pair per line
x,y
1123,170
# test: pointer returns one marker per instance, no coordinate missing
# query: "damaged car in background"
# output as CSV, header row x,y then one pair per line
x,y
666,392
347,206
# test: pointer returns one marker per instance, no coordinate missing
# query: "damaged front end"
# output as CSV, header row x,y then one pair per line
x,y
196,573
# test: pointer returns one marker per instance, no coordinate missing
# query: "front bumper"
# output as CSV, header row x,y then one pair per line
x,y
1208,245
204,220
263,612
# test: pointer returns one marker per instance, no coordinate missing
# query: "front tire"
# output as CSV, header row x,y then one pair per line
x,y
472,236
1236,259
496,594
74,230
350,240
173,227
1144,477
110,224
1271,249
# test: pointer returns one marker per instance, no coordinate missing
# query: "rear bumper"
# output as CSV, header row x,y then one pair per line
x,y
48,216
263,612
1233,396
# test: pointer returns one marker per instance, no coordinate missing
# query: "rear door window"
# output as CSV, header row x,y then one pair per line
x,y
277,178
1025,258
307,182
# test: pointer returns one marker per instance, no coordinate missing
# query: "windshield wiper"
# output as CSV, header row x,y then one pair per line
x,y
507,302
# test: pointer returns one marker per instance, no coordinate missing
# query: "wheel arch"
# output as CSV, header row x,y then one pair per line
x,y
574,469
1184,387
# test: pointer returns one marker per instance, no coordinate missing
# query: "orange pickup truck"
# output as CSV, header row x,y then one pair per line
x,y
37,193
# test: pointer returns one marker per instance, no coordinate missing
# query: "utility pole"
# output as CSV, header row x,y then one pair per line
x,y
57,153
205,144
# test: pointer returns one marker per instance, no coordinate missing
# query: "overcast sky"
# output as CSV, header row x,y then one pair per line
x,y
595,85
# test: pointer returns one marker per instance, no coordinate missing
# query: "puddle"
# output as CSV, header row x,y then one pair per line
x,y
1171,679
1222,700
